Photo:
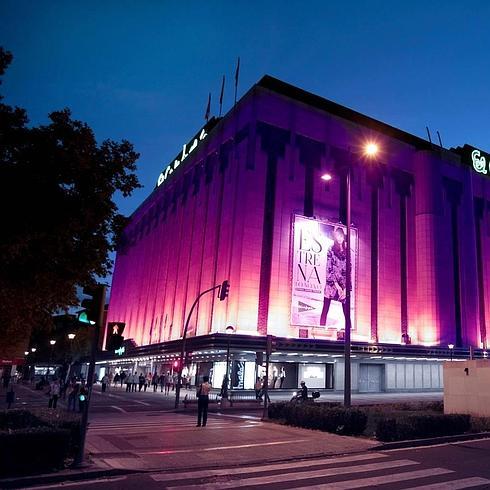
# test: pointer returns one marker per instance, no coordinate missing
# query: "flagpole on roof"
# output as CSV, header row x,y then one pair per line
x,y
237,74
221,95
208,108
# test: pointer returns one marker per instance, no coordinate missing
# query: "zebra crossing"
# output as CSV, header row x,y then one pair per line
x,y
368,470
163,420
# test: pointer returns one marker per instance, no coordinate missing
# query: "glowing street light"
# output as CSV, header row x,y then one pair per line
x,y
26,353
371,149
326,177
71,336
33,349
52,342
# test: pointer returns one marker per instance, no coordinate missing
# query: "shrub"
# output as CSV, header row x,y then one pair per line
x,y
339,420
18,419
480,424
420,426
31,450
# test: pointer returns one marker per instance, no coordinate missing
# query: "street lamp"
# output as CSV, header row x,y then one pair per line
x,y
370,151
451,347
71,336
33,349
230,329
26,353
52,342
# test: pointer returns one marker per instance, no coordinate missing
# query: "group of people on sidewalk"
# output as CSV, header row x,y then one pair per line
x,y
77,394
141,382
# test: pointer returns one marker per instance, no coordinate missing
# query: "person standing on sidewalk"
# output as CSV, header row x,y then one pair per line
x,y
154,382
203,401
54,393
104,381
168,382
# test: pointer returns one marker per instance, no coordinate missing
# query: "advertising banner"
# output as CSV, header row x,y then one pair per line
x,y
318,274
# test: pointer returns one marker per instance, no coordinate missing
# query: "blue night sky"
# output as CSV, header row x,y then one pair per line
x,y
142,70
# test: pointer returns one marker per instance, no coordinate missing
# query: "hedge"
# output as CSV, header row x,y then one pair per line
x,y
339,420
32,450
421,426
36,441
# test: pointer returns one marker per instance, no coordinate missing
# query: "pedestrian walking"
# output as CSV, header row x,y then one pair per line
x,y
258,389
122,377
128,380
203,401
134,381
265,391
141,381
10,398
154,382
168,382
104,381
73,395
54,393
161,381
117,378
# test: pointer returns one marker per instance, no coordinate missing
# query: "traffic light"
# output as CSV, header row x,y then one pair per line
x,y
92,306
115,337
224,290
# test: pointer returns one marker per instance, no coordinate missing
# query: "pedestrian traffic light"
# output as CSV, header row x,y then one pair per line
x,y
92,306
224,290
115,338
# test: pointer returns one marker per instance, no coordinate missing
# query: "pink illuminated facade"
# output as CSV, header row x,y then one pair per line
x,y
232,207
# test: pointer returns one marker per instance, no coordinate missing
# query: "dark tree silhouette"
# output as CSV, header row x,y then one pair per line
x,y
58,217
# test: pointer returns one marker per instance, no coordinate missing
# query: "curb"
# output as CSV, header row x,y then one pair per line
x,y
430,442
27,481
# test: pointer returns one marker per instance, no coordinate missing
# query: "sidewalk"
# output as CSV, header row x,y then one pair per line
x,y
171,441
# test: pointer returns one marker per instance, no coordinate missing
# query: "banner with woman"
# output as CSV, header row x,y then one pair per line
x,y
318,273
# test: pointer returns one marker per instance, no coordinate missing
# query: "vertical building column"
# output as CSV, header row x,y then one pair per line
x,y
310,154
454,190
428,210
273,144
479,207
403,184
375,180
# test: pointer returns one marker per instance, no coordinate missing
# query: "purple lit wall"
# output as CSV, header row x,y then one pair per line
x,y
227,214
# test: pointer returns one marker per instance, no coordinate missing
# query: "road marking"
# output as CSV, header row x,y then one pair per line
x,y
378,480
454,484
82,482
306,474
258,469
119,408
221,448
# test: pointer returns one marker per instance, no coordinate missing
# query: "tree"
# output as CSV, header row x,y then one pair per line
x,y
59,219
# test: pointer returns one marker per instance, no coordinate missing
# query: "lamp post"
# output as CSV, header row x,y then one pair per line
x,y
370,151
230,329
451,347
71,336
52,343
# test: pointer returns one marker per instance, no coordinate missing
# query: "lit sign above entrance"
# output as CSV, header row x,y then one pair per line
x,y
187,149
120,351
477,159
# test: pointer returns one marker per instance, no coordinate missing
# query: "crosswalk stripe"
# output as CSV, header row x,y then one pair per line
x,y
258,469
305,474
454,484
378,480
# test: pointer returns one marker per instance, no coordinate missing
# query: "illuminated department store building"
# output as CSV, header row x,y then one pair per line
x,y
247,200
